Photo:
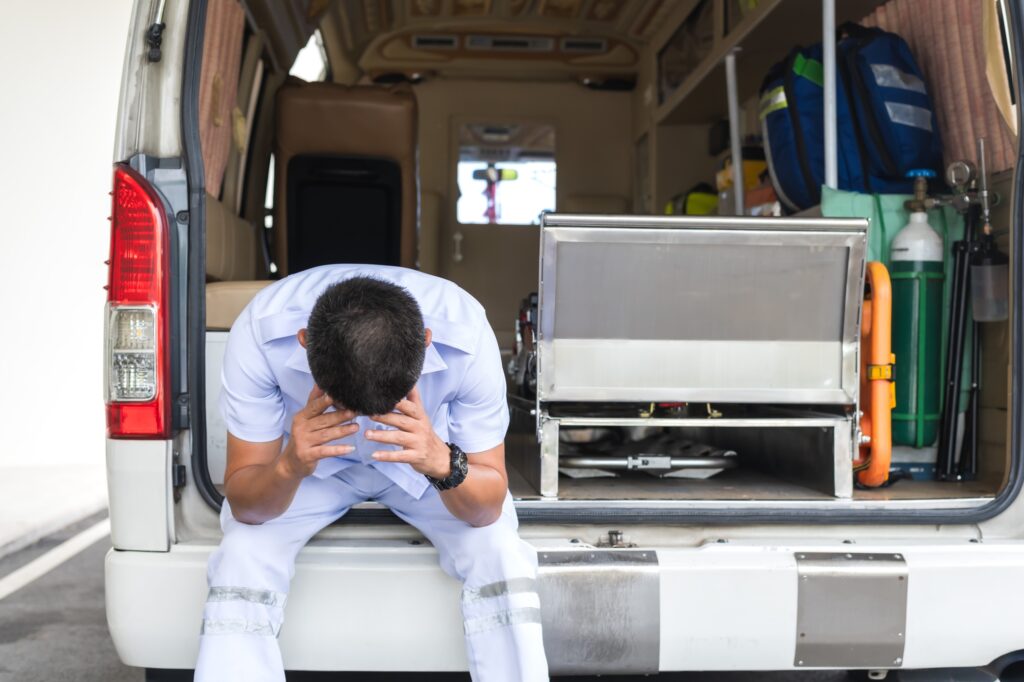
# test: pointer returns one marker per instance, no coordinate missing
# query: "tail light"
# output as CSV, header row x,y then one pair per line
x,y
137,357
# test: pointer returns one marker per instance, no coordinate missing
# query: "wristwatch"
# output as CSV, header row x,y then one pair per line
x,y
460,467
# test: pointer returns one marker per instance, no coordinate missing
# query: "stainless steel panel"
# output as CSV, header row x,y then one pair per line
x,y
603,295
716,309
589,370
842,459
851,610
724,223
547,432
600,610
720,422
758,505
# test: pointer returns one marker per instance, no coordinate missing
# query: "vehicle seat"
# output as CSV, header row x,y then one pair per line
x,y
233,263
346,176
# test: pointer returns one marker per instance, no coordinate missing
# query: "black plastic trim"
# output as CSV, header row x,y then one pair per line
x,y
196,276
595,514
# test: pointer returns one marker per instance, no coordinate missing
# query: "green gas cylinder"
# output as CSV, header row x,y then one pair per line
x,y
916,256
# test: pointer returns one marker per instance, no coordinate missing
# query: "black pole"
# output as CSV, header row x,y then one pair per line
x,y
945,462
972,428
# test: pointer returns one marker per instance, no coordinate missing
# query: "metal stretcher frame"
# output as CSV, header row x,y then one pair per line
x,y
708,338
650,309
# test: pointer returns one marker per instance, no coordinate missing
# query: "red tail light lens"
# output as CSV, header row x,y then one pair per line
x,y
137,359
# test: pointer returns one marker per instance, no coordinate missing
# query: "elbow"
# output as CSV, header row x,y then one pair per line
x,y
486,517
248,518
248,515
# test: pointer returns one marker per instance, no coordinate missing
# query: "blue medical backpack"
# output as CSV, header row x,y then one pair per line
x,y
886,126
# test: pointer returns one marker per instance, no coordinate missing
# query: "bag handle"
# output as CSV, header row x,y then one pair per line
x,y
854,30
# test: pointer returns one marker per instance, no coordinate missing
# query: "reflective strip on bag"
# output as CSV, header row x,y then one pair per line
x,y
530,614
909,115
264,597
888,76
239,626
500,588
773,100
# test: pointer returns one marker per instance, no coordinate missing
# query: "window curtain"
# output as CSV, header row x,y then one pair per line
x,y
958,47
218,85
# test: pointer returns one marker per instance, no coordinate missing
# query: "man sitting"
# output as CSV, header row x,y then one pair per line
x,y
347,383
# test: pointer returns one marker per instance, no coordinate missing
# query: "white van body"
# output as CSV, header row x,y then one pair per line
x,y
714,584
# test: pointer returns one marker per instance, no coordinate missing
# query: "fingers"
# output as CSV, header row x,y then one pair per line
x,y
406,456
317,403
329,419
399,421
410,408
334,433
390,437
325,451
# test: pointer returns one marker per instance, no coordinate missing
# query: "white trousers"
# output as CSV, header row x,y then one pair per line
x,y
250,572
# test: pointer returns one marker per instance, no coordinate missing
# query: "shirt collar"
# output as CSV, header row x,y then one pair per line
x,y
432,361
445,332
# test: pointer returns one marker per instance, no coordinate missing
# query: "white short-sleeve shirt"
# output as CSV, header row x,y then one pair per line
x,y
266,377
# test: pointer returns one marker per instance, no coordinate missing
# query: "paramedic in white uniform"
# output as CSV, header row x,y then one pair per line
x,y
347,383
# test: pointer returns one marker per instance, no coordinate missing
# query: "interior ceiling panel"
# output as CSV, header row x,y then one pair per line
x,y
378,35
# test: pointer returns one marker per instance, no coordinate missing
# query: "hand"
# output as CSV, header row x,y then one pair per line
x,y
421,447
312,428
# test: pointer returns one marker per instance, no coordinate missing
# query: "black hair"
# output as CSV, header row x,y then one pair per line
x,y
365,341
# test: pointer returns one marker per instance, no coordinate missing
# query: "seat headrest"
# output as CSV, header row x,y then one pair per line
x,y
327,118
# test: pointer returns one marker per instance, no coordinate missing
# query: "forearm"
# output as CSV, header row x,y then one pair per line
x,y
260,492
479,498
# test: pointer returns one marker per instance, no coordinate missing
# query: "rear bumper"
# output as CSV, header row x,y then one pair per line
x,y
387,606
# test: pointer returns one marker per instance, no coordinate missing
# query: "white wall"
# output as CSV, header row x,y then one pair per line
x,y
61,63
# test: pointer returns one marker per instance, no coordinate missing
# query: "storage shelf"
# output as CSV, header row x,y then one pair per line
x,y
765,35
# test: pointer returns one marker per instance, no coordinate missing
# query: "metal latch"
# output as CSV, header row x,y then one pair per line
x,y
877,372
615,539
649,462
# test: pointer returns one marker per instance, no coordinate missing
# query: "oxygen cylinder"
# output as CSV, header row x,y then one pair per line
x,y
917,259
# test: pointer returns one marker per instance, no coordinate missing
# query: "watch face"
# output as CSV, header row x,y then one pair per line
x,y
460,463
459,469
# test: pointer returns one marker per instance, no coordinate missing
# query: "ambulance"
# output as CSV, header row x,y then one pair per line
x,y
718,446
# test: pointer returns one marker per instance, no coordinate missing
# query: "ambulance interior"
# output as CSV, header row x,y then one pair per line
x,y
441,129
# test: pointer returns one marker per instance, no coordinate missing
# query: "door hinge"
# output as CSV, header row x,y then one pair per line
x,y
178,477
155,35
181,411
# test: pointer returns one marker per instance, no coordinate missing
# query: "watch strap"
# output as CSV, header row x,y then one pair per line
x,y
457,474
